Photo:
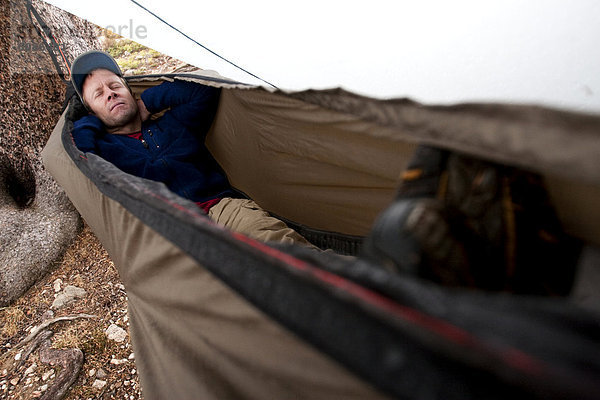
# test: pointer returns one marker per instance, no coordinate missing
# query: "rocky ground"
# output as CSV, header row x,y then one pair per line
x,y
135,59
81,303
84,285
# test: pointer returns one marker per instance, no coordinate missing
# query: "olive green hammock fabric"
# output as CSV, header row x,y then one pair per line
x,y
215,314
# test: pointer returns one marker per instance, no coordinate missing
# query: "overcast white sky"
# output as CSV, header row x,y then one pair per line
x,y
541,51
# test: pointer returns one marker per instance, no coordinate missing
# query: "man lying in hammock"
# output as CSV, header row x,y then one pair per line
x,y
169,149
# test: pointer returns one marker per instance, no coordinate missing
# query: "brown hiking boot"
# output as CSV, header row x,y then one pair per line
x,y
460,221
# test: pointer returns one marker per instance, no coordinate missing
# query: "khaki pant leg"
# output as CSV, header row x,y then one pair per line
x,y
247,217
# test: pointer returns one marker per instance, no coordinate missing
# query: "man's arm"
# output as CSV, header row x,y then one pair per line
x,y
86,131
191,104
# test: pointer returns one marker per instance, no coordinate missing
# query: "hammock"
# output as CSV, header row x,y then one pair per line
x,y
215,314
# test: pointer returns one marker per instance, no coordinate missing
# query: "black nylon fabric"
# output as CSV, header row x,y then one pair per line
x,y
552,331
413,340
342,244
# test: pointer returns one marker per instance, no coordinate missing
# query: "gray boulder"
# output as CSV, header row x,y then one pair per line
x,y
34,237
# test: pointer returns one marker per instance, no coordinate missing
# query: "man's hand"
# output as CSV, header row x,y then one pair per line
x,y
144,113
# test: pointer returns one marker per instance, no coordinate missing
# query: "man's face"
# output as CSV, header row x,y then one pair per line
x,y
109,99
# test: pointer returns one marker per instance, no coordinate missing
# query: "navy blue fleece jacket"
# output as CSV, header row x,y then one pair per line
x,y
172,150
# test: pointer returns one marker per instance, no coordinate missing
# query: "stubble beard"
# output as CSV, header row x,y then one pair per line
x,y
122,118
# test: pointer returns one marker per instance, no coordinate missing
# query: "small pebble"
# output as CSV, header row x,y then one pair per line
x,y
49,314
31,369
46,375
98,384
68,295
116,333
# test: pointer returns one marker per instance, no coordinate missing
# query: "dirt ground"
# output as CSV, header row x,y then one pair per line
x,y
109,370
86,265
